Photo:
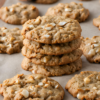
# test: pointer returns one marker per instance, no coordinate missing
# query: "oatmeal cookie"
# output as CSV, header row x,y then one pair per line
x,y
51,30
18,13
11,40
51,70
91,48
85,86
52,49
31,87
72,10
51,60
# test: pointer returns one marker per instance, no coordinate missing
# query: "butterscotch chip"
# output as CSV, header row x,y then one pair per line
x,y
51,70
72,10
85,86
51,60
11,40
96,22
91,48
31,87
42,1
18,13
51,30
54,49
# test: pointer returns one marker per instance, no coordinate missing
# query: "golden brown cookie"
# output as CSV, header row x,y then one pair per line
x,y
72,10
91,48
11,40
85,86
31,87
18,13
51,70
52,49
51,29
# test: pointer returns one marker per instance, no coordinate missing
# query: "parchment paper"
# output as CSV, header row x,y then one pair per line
x,y
10,65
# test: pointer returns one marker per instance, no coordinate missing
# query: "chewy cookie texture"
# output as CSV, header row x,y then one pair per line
x,y
70,10
11,40
18,13
52,60
51,46
91,48
52,49
51,29
31,87
85,86
51,70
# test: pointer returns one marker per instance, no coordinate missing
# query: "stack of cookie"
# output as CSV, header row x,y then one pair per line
x,y
51,46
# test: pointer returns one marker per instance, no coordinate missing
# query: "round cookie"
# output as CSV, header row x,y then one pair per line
x,y
51,70
51,60
18,13
91,48
72,10
31,87
54,49
96,22
11,40
42,1
51,29
85,86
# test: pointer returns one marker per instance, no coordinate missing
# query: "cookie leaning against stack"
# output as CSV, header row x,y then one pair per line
x,y
51,46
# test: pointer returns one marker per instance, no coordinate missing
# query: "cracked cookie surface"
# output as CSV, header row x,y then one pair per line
x,y
54,49
51,60
51,70
51,30
85,86
91,48
31,87
11,40
18,13
72,10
